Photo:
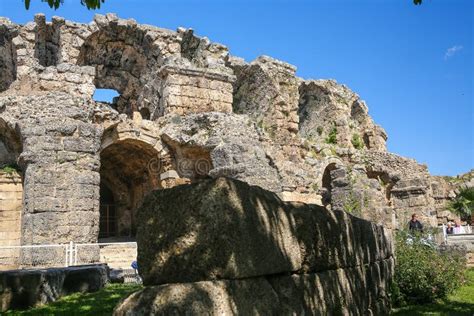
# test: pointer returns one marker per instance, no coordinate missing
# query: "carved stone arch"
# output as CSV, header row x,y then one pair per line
x,y
324,165
325,178
129,162
124,58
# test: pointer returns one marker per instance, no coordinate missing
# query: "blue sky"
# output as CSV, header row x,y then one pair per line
x,y
412,64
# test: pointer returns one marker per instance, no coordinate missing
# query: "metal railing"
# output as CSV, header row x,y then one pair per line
x,y
117,255
467,230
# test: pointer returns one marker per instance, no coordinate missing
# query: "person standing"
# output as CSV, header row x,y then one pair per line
x,y
450,229
458,229
415,225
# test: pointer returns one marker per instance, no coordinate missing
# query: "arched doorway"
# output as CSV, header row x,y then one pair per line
x,y
327,184
11,186
108,220
126,179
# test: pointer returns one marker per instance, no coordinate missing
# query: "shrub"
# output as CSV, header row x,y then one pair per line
x,y
422,272
357,141
352,204
332,137
9,168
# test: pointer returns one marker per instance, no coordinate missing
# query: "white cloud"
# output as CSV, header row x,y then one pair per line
x,y
451,51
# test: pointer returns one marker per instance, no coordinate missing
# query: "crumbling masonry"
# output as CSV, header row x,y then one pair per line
x,y
187,110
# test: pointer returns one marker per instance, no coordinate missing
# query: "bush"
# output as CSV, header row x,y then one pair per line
x,y
9,168
357,141
332,137
422,272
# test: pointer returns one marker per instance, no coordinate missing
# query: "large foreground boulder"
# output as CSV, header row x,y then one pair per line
x,y
221,246
227,229
352,291
214,229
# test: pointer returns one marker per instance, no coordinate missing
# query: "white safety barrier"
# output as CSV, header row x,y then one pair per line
x,y
118,255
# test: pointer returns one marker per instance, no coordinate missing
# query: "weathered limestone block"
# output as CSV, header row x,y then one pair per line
x,y
189,89
59,143
226,229
361,290
11,195
21,289
228,297
326,107
214,229
230,144
353,291
267,90
334,239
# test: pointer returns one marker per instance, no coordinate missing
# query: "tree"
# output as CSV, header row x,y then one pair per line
x,y
463,203
55,4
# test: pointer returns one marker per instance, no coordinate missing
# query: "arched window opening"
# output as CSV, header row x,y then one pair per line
x,y
125,168
145,113
120,62
327,184
366,138
109,96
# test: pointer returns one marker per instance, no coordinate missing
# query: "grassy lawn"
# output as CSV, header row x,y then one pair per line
x,y
98,303
461,302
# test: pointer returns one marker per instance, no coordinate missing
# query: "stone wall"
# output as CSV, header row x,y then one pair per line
x,y
327,107
187,90
271,129
267,90
11,198
60,166
228,239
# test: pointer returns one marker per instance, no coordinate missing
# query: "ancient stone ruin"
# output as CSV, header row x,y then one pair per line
x,y
187,111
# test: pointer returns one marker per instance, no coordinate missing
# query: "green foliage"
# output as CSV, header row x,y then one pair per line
x,y
102,302
460,303
463,203
423,273
352,204
10,168
55,4
319,130
332,137
357,141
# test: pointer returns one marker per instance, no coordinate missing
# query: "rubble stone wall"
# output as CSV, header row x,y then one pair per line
x,y
187,110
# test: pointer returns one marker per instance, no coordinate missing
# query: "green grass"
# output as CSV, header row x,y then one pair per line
x,y
103,302
97,303
461,302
